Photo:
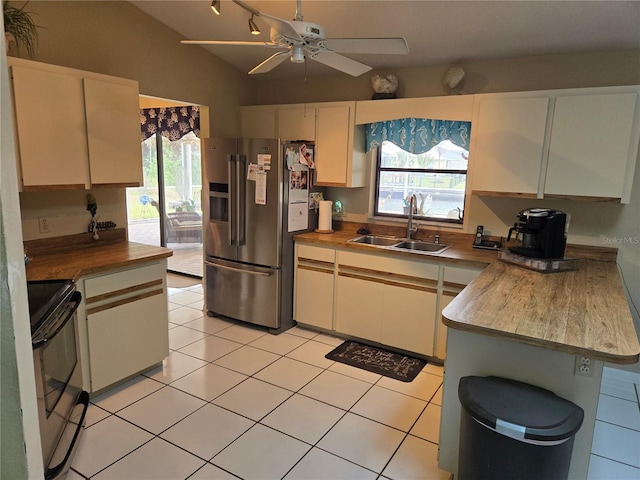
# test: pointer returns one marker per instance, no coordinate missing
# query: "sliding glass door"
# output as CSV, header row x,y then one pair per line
x,y
167,209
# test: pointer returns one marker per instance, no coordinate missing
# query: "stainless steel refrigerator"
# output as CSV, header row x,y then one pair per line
x,y
256,199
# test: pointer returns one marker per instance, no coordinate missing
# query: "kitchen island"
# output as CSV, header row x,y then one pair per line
x,y
535,328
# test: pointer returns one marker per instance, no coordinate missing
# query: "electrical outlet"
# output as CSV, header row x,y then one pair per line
x,y
583,366
44,225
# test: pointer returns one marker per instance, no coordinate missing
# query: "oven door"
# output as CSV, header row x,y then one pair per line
x,y
58,374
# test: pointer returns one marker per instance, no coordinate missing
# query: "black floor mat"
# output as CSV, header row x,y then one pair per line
x,y
377,360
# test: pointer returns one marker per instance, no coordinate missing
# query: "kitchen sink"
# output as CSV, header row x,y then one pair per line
x,y
416,246
421,246
376,240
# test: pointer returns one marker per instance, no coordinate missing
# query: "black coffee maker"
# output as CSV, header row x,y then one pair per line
x,y
540,233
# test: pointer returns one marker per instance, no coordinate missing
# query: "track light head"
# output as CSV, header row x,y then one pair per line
x,y
215,6
253,28
297,54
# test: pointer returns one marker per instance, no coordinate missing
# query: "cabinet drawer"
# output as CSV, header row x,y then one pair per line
x,y
121,281
388,265
327,255
458,277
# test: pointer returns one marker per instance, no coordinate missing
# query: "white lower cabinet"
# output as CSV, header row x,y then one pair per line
x,y
387,300
408,318
454,280
359,303
125,328
313,288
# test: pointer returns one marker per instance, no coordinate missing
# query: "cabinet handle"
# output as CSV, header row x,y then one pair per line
x,y
421,288
315,269
123,291
453,285
382,276
318,263
124,301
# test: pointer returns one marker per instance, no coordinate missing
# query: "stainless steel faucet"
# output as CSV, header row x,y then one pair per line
x,y
411,230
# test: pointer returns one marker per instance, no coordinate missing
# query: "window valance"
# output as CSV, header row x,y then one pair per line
x,y
417,135
171,122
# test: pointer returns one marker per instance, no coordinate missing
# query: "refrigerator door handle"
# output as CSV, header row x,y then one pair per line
x,y
232,174
241,189
241,270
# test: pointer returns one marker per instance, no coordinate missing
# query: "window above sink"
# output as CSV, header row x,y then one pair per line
x,y
421,157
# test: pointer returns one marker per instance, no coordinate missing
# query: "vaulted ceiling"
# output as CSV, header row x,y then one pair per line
x,y
437,32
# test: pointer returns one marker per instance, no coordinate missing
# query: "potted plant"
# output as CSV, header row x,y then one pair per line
x,y
19,27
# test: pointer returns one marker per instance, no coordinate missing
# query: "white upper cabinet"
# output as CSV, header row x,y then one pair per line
x,y
113,120
577,144
75,129
339,155
592,145
297,123
508,145
51,129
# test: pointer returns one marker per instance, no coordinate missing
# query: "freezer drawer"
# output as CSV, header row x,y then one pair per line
x,y
244,292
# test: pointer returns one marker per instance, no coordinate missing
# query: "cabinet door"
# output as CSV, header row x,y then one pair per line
x,y
590,145
508,148
113,129
359,306
340,159
297,123
126,339
441,329
313,290
408,318
258,122
314,297
50,121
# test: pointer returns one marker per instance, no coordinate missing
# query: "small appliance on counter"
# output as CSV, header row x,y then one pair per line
x,y
540,233
540,241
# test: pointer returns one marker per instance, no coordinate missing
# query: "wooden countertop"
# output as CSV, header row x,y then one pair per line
x,y
460,252
582,312
81,257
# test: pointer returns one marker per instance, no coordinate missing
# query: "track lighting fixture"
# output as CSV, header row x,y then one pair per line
x,y
215,6
253,28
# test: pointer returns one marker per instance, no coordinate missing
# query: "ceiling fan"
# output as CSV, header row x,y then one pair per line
x,y
302,40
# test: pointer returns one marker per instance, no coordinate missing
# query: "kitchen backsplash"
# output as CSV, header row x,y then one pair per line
x,y
65,211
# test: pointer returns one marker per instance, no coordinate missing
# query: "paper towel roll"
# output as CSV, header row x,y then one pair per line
x,y
324,217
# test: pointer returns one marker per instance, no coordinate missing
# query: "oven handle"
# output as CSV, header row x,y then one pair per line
x,y
51,473
76,298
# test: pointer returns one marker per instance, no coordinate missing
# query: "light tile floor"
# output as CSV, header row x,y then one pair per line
x,y
232,401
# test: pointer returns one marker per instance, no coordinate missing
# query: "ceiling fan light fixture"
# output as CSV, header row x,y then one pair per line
x,y
253,28
297,54
215,6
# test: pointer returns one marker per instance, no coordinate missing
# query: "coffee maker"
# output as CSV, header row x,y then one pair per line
x,y
540,233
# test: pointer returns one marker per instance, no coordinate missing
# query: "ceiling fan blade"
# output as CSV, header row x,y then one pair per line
x,y
388,46
230,42
271,62
339,62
